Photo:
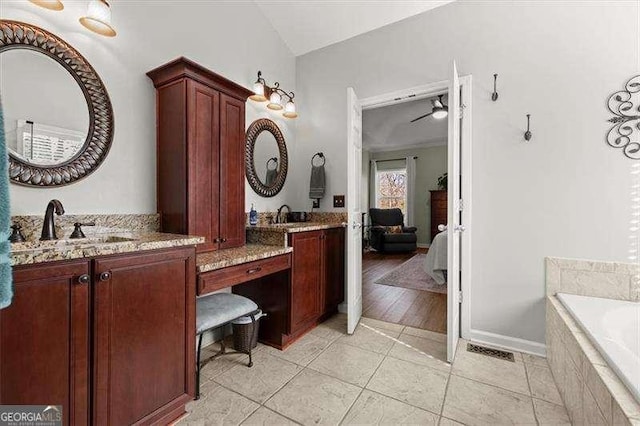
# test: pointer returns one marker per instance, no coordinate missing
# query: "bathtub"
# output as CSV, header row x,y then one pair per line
x,y
613,326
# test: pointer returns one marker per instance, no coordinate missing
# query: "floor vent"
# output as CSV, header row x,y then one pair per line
x,y
495,353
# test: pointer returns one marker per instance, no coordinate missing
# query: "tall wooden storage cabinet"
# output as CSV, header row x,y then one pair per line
x,y
200,156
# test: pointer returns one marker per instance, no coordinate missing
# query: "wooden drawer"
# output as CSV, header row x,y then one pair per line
x,y
209,282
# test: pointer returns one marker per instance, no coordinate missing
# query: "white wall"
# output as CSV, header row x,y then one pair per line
x,y
565,193
232,39
430,165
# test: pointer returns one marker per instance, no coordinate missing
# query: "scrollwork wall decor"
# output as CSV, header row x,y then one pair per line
x,y
19,35
625,105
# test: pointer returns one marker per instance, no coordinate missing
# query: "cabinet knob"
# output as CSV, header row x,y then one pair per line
x,y
83,279
253,271
216,240
224,240
105,276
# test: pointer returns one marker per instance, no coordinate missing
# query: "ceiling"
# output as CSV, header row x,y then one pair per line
x,y
389,128
309,25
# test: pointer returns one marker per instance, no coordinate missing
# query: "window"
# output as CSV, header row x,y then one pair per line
x,y
391,189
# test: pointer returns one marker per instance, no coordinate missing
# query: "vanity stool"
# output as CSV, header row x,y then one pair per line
x,y
216,311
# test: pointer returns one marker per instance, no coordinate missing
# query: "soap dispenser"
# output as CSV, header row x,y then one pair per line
x,y
253,216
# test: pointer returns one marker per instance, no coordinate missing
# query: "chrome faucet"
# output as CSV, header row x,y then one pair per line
x,y
279,214
49,225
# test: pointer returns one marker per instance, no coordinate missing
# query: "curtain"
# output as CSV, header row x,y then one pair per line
x,y
373,184
411,191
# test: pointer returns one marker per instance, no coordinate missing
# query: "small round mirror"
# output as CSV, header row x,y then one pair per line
x,y
46,117
266,161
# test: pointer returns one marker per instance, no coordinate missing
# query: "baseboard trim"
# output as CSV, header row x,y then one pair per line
x,y
507,342
421,245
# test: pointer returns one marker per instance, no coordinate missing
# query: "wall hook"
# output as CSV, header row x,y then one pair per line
x,y
494,95
528,134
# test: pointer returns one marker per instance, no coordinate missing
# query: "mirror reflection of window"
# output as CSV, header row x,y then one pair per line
x,y
42,144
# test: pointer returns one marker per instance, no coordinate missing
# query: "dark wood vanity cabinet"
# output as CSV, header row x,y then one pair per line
x,y
200,155
317,276
93,335
144,322
44,339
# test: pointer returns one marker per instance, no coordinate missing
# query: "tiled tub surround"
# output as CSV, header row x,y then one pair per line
x,y
105,223
591,390
212,261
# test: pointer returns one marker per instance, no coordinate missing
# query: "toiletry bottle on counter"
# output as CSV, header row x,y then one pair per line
x,y
253,216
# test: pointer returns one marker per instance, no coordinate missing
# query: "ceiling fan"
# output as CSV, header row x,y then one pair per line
x,y
439,110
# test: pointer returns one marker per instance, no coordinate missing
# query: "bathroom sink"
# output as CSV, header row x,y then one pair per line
x,y
67,243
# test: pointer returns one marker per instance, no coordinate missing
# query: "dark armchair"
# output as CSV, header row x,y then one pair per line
x,y
385,241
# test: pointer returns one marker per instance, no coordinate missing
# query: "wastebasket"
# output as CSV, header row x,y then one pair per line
x,y
244,338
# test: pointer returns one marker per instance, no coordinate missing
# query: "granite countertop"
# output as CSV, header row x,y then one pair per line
x,y
211,261
96,245
292,227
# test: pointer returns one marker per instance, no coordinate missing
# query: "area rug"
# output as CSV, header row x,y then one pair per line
x,y
411,274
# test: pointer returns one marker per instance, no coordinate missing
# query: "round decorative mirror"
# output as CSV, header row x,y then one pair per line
x,y
266,160
57,114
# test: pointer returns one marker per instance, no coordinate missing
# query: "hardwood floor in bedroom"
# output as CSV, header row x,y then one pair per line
x,y
415,308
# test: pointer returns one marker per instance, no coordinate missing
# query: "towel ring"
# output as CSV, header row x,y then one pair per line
x,y
321,156
275,161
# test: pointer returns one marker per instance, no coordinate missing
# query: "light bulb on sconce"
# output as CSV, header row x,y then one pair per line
x,y
98,18
276,97
290,108
275,101
258,89
49,4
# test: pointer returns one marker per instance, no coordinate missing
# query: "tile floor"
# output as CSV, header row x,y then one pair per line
x,y
383,374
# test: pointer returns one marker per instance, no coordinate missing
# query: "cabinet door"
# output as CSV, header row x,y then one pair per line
x,y
333,269
144,324
204,160
305,278
232,215
44,340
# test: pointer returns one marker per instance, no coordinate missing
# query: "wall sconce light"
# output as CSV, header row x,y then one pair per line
x,y
98,18
275,95
49,4
528,134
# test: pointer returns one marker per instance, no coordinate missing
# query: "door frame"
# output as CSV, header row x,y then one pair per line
x,y
427,91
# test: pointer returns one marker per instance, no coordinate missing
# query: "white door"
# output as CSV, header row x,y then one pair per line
x,y
454,227
354,221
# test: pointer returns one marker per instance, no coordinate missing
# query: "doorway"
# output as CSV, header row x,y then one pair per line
x,y
459,216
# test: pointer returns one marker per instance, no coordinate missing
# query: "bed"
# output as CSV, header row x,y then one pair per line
x,y
436,260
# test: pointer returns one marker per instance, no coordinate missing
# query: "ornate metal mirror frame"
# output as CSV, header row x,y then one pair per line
x,y
257,127
18,35
625,104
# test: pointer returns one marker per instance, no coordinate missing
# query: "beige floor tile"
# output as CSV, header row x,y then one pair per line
x,y
534,360
375,340
374,409
542,384
258,383
414,384
474,403
314,398
448,422
382,325
493,371
425,334
592,414
348,363
218,405
265,417
303,351
217,366
330,330
550,414
421,351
